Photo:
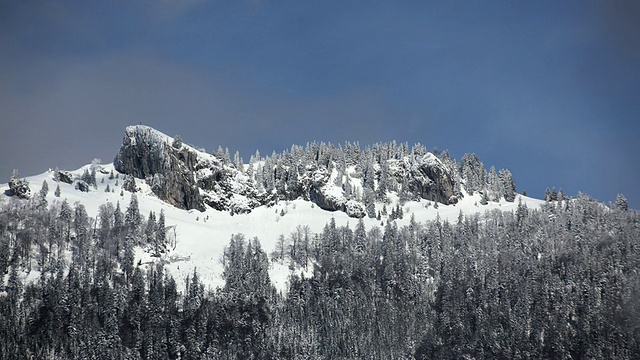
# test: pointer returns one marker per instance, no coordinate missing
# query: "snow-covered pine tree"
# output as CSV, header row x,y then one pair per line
x,y
132,218
238,162
42,195
508,187
621,203
161,234
494,186
473,173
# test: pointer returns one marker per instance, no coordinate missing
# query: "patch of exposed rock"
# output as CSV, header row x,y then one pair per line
x,y
426,177
63,176
182,175
146,154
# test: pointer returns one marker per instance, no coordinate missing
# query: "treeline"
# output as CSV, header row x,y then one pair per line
x,y
556,282
378,170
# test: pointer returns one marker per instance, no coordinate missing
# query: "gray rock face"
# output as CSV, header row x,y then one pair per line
x,y
432,181
426,177
333,202
63,176
325,202
184,176
129,184
320,194
145,154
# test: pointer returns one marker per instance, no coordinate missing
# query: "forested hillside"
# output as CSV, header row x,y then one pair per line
x,y
560,281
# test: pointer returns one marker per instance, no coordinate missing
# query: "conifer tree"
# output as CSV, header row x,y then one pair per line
x,y
106,224
161,235
237,162
44,190
118,223
281,245
129,255
42,195
66,216
507,186
495,187
621,202
473,172
150,231
360,237
132,218
135,313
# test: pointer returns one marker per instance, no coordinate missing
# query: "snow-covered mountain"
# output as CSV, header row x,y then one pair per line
x,y
191,179
206,198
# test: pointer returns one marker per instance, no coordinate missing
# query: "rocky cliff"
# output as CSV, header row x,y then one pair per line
x,y
429,179
147,154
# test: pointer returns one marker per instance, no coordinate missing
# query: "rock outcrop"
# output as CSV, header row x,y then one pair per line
x,y
432,180
325,200
192,179
147,154
63,176
19,187
331,198
425,177
355,209
182,175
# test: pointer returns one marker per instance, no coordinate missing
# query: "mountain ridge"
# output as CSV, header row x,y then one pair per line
x,y
346,179
201,235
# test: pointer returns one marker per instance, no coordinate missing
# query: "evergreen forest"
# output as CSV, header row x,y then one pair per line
x,y
557,282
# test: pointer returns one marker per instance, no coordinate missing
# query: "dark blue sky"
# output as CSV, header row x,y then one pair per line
x,y
547,89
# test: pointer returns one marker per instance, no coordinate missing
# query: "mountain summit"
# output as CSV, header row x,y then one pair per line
x,y
336,178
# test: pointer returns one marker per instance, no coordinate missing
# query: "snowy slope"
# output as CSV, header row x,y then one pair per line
x,y
202,236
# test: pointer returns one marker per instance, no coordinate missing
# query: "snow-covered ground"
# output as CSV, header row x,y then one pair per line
x,y
202,236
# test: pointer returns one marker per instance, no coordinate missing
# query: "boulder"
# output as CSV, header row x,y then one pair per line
x,y
326,201
63,176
